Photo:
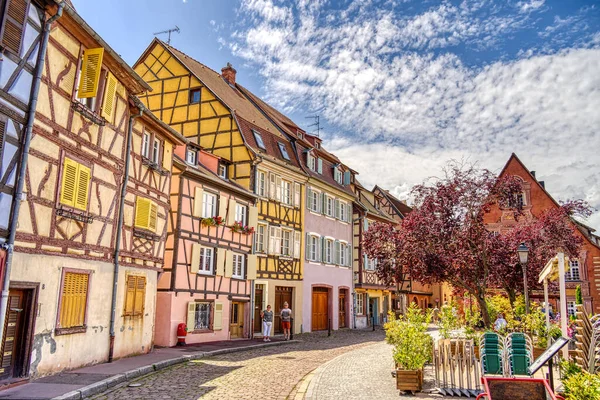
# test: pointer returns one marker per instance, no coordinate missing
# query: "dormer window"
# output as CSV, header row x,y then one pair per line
x,y
259,140
318,145
283,150
191,156
299,134
311,162
337,174
223,171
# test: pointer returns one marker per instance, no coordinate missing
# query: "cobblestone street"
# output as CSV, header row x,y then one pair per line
x,y
269,373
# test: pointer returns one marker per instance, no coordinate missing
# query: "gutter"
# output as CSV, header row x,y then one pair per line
x,y
18,193
113,307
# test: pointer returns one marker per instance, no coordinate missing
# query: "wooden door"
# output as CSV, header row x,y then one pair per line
x,y
258,305
13,335
282,295
320,300
236,321
342,309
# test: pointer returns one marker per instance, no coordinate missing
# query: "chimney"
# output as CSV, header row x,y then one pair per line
x,y
542,184
228,73
532,173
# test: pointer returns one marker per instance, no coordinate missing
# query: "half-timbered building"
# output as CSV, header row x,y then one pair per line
x,y
207,282
211,110
85,146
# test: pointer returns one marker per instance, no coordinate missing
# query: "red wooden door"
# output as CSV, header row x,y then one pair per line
x,y
319,309
13,334
282,295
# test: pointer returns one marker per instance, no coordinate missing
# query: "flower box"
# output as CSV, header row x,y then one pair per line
x,y
239,228
212,221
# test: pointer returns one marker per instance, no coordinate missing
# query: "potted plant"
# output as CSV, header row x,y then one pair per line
x,y
239,228
412,347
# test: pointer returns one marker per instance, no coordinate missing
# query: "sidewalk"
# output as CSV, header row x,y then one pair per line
x,y
87,381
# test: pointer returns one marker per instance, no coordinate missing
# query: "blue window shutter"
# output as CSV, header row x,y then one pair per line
x,y
337,208
346,177
349,259
309,198
336,252
319,165
307,247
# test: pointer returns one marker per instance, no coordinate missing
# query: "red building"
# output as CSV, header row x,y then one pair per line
x,y
585,270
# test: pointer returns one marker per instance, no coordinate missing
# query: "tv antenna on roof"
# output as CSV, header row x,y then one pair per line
x,y
317,131
168,31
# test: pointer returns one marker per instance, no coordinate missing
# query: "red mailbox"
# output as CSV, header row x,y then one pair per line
x,y
181,334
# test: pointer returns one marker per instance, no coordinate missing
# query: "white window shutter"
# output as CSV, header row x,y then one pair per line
x,y
319,165
297,239
222,207
348,212
195,258
191,315
253,216
231,212
307,247
221,262
309,198
297,194
228,264
349,257
337,208
271,235
278,188
218,316
197,206
321,244
251,273
272,186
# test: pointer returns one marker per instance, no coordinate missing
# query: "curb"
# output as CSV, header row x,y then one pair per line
x,y
105,384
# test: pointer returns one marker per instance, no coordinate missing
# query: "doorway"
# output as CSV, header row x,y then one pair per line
x,y
18,331
320,303
258,307
236,321
282,294
374,310
342,309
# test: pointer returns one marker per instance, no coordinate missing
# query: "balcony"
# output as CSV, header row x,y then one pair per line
x,y
371,280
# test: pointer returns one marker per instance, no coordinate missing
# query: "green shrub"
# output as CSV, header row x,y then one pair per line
x,y
582,386
448,320
568,368
413,346
578,296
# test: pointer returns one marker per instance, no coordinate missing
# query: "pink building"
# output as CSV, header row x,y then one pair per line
x,y
209,267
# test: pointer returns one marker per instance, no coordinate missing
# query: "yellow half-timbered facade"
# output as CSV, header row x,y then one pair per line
x,y
216,114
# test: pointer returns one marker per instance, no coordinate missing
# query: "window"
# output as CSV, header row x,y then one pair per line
x,y
371,264
206,260
286,243
223,171
313,248
343,211
209,205
14,25
275,240
88,77
297,236
145,214
311,162
238,266
314,201
283,150
191,156
337,174
259,140
571,309
146,144
73,300
343,254
297,194
260,238
75,185
195,96
135,295
329,207
328,251
360,303
573,274
240,213
202,316
261,181
156,151
286,192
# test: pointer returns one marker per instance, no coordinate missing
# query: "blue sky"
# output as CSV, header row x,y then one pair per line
x,y
403,86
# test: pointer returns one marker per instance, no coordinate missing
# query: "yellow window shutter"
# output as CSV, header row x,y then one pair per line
x,y
130,295
221,262
167,160
83,187
153,216
142,213
251,273
252,216
191,315
218,316
140,294
223,207
231,212
109,101
74,300
195,263
197,207
91,65
228,264
69,182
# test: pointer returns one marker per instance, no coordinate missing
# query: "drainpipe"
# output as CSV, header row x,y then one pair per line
x,y
18,193
113,307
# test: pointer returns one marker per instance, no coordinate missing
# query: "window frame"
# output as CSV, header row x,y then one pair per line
x,y
337,175
211,266
194,91
290,245
258,139
315,200
288,199
283,151
329,256
211,312
154,138
239,263
569,276
314,248
330,206
87,164
205,194
191,151
261,183
343,211
242,209
311,162
260,238
360,303
224,167
133,314
59,330
343,254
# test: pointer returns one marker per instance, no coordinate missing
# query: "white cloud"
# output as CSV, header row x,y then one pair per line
x,y
528,6
407,104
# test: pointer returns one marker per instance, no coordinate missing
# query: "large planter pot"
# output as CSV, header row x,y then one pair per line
x,y
409,380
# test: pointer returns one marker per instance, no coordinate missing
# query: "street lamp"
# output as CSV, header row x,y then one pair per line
x,y
523,252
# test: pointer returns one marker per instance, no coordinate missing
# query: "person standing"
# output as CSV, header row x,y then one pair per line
x,y
286,320
267,317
